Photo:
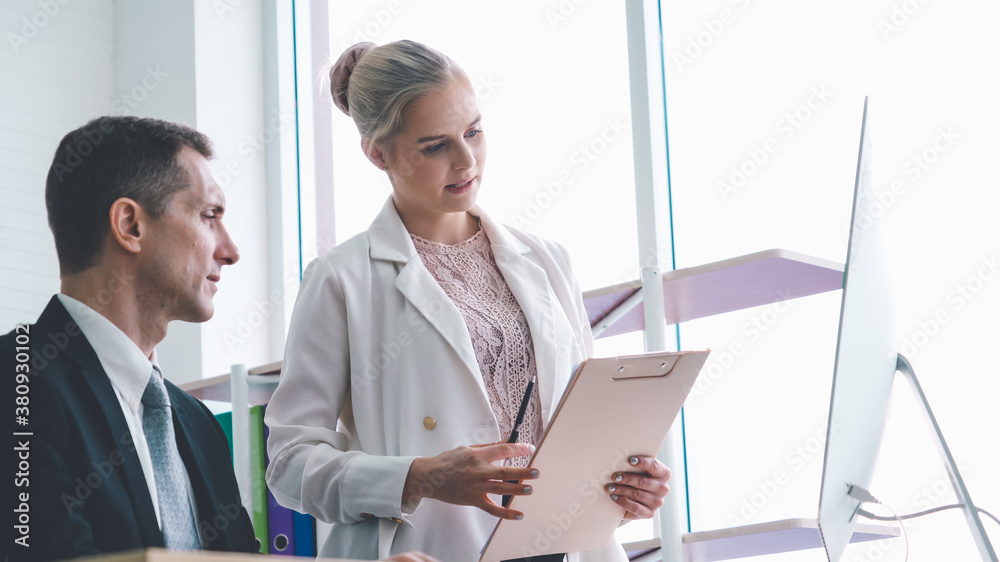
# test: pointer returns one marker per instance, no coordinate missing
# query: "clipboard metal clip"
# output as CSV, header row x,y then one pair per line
x,y
644,367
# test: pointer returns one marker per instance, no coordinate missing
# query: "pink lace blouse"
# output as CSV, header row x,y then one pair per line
x,y
469,275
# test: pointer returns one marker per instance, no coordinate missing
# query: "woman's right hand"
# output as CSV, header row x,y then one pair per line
x,y
465,475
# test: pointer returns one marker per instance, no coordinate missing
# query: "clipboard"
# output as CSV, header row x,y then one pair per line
x,y
612,408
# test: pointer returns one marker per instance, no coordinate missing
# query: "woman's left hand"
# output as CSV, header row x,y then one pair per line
x,y
641,492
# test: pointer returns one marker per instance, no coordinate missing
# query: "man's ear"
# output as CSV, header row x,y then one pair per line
x,y
128,224
374,153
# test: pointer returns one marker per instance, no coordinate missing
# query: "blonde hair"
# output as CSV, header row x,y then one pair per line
x,y
387,80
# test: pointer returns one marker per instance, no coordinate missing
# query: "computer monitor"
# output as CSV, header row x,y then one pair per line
x,y
865,364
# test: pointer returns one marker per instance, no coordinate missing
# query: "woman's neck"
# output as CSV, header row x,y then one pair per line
x,y
446,228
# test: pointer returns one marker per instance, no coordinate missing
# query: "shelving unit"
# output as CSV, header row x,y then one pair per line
x,y
695,292
733,284
261,381
772,537
714,288
250,387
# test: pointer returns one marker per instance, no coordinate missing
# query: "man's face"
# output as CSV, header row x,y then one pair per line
x,y
187,247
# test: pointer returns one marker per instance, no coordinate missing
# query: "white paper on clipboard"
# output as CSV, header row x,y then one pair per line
x,y
613,408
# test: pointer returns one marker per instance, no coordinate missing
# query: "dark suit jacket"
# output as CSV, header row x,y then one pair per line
x,y
87,490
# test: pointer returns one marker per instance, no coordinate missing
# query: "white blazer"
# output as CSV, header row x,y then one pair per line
x,y
375,343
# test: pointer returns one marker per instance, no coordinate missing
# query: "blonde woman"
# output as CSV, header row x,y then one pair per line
x,y
421,335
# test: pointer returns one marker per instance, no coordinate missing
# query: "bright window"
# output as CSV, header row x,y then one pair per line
x,y
553,89
552,83
764,106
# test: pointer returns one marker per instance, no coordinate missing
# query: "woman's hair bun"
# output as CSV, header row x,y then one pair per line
x,y
340,73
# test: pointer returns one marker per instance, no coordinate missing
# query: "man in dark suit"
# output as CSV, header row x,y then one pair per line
x,y
107,454
137,220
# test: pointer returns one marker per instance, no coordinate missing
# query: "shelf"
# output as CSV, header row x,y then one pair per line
x,y
696,292
262,382
773,537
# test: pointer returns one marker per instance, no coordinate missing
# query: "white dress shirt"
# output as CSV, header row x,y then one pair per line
x,y
128,369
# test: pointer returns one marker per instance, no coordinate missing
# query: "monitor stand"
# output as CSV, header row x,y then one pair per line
x,y
961,492
798,534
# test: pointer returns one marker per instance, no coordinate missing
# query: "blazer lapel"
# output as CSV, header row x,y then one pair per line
x,y
426,295
132,476
197,467
529,284
56,318
390,241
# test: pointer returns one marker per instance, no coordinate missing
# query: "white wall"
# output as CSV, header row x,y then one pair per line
x,y
56,65
198,63
212,53
230,109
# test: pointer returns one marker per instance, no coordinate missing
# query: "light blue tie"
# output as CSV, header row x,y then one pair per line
x,y
179,530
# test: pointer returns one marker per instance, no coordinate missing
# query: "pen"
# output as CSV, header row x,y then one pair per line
x,y
515,431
